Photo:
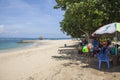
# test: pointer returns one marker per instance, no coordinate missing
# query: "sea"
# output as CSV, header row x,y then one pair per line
x,y
12,43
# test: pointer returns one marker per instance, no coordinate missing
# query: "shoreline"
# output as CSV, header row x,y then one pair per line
x,y
17,48
28,44
38,44
32,44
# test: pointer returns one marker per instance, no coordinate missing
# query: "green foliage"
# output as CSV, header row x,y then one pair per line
x,y
63,4
85,16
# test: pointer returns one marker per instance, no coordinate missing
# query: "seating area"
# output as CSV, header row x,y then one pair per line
x,y
103,56
107,56
67,49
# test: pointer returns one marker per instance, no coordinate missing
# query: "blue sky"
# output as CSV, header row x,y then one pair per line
x,y
30,18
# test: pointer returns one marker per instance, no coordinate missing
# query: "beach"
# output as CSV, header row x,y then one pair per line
x,y
43,62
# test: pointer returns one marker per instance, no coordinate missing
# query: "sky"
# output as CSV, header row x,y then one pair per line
x,y
30,19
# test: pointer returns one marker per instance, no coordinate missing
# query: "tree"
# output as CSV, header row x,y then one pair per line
x,y
85,16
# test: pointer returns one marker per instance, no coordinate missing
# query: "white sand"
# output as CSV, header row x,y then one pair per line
x,y
43,62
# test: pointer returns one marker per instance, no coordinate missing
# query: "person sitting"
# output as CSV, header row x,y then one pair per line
x,y
96,45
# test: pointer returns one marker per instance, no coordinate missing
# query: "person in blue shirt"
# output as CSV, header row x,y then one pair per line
x,y
96,46
95,43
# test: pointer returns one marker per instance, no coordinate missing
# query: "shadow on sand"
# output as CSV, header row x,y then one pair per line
x,y
75,57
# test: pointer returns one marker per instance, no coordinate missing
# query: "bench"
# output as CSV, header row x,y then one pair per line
x,y
67,49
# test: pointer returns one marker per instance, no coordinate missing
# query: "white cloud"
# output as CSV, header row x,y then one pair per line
x,y
2,28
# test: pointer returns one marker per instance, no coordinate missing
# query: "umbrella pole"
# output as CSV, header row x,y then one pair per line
x,y
116,44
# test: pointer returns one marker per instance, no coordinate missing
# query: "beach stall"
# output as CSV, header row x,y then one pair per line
x,y
110,30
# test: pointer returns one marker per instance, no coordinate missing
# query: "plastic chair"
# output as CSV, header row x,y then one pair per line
x,y
103,57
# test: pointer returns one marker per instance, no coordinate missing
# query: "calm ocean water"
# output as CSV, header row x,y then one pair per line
x,y
11,43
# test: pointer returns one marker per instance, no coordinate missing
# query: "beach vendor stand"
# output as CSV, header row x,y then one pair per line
x,y
112,29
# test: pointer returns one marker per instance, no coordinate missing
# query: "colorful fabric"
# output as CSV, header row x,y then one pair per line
x,y
85,49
